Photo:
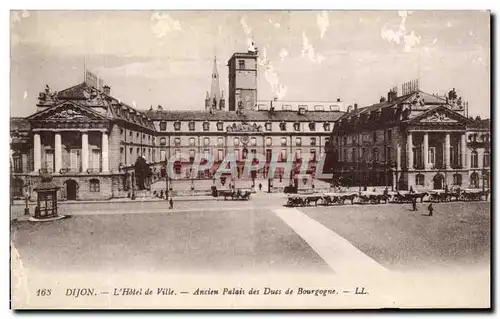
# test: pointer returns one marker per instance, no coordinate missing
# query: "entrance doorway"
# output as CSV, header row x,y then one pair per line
x,y
71,189
438,181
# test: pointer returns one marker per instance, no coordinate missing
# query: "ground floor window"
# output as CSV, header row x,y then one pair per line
x,y
95,186
457,179
474,180
419,180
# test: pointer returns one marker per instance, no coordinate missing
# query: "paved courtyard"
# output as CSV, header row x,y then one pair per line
x,y
258,235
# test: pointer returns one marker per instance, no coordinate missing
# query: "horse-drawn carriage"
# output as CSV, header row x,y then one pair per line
x,y
301,200
373,197
474,195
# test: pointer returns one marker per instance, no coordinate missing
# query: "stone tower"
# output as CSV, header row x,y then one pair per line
x,y
243,80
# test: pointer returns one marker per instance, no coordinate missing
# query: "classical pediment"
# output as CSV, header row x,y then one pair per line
x,y
67,111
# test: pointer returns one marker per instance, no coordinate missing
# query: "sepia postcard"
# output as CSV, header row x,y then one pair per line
x,y
250,159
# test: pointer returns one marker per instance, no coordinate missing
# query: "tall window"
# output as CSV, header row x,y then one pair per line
x,y
163,155
389,136
206,141
486,159
473,159
237,154
269,154
269,141
354,154
177,126
96,159
313,141
374,136
18,163
163,126
241,64
375,154
298,155
220,126
236,141
49,160
177,141
283,155
220,155
191,155
206,126
191,126
253,141
432,156
220,141
313,155
191,141
457,179
95,186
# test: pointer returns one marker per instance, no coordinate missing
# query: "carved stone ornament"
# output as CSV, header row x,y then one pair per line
x,y
244,127
438,118
68,114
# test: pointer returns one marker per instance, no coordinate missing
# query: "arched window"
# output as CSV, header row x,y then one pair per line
x,y
486,159
473,159
457,179
95,185
420,180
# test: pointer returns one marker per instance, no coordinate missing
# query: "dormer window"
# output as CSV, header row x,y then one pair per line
x,y
177,126
283,126
302,109
319,108
206,126
268,126
191,126
241,64
286,107
296,126
220,126
312,126
326,126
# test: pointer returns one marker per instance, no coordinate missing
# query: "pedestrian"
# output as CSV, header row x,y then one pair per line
x,y
414,203
431,209
161,193
171,203
260,186
411,190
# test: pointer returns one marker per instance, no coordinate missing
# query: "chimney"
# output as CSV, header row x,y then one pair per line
x,y
355,106
160,108
107,89
338,99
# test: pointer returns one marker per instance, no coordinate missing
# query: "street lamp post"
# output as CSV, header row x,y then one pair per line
x,y
166,180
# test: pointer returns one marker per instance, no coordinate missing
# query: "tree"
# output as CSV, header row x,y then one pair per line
x,y
142,172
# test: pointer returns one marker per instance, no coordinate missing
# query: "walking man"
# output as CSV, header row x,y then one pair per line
x,y
414,203
171,203
260,186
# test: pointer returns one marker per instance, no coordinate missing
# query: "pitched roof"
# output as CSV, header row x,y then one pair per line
x,y
290,116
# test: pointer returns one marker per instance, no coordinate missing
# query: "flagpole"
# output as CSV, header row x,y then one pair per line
x,y
84,68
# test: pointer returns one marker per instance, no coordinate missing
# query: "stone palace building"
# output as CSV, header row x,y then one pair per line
x,y
415,140
90,140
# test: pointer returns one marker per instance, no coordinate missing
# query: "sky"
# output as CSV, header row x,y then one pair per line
x,y
152,58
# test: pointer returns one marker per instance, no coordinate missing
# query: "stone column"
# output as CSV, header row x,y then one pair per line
x,y
105,147
447,154
463,151
57,152
409,150
37,153
426,150
85,151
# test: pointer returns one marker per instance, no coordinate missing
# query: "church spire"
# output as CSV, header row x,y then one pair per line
x,y
215,87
